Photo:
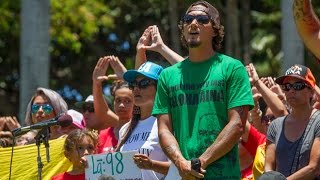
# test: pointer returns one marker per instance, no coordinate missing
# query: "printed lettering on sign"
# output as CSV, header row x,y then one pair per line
x,y
118,165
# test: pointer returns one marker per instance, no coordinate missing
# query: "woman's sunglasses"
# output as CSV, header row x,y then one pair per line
x,y
142,84
298,86
201,19
47,108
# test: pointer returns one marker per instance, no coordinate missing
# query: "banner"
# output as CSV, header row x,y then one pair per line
x,y
25,165
118,165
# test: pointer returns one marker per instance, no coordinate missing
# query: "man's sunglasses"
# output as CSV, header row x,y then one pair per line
x,y
267,118
298,86
88,108
47,108
201,19
142,84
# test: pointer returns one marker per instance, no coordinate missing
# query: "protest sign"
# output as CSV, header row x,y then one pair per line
x,y
118,165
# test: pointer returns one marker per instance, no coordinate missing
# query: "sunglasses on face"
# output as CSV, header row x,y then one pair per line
x,y
201,19
88,108
298,86
267,118
142,84
47,108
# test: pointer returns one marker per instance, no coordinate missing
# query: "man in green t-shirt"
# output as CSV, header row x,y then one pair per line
x,y
202,102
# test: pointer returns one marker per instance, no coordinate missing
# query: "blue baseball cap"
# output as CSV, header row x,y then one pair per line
x,y
147,69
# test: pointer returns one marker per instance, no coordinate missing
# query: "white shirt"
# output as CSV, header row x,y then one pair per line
x,y
144,138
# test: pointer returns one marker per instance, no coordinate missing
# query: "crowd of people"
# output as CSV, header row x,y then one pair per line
x,y
207,114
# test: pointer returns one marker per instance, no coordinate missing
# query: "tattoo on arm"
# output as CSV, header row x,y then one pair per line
x,y
172,150
240,111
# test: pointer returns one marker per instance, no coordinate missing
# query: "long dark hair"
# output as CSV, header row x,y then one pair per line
x,y
132,124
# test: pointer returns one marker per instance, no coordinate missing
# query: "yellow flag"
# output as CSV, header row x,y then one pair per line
x,y
25,165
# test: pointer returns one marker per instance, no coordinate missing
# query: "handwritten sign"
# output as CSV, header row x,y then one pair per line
x,y
118,165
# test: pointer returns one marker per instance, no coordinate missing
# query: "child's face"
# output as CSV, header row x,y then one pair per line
x,y
85,147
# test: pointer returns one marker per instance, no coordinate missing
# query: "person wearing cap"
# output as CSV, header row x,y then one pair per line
x,y
78,122
293,141
202,102
308,25
141,132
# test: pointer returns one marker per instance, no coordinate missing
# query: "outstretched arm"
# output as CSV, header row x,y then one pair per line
x,y
152,40
308,25
271,99
105,115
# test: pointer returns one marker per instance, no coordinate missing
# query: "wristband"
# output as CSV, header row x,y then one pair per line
x,y
196,164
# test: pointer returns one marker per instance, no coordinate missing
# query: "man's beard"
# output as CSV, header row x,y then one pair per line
x,y
193,44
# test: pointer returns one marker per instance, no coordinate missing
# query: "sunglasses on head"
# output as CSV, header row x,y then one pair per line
x,y
298,86
142,84
267,118
47,108
201,19
88,108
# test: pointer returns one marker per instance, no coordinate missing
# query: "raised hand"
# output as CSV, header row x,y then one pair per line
x,y
253,75
150,39
156,40
274,86
117,67
142,161
7,124
99,72
12,123
145,39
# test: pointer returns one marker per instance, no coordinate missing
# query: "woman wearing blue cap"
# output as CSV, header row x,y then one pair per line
x,y
141,133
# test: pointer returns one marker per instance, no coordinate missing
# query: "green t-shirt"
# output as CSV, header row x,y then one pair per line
x,y
197,96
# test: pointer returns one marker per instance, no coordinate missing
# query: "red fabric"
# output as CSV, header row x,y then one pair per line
x,y
247,173
106,139
255,138
67,176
